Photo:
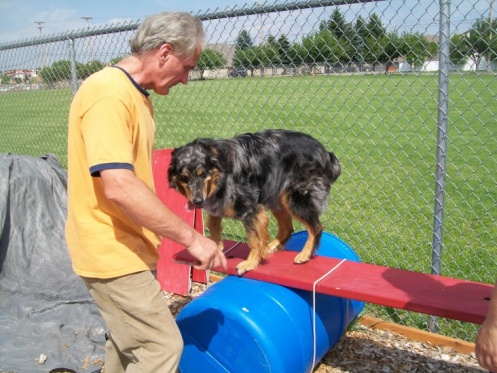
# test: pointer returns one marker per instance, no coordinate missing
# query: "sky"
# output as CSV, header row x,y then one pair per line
x,y
17,18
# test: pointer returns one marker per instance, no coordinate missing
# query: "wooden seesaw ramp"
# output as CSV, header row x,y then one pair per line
x,y
413,291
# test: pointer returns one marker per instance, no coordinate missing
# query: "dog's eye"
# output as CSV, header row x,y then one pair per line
x,y
183,179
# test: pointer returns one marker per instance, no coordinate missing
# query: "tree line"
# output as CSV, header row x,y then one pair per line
x,y
361,41
61,70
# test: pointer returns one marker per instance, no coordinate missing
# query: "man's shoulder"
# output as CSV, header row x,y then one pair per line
x,y
106,83
106,76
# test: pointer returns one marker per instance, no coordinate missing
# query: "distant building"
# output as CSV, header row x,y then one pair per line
x,y
21,74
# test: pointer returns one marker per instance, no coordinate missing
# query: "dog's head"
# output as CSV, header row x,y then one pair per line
x,y
194,170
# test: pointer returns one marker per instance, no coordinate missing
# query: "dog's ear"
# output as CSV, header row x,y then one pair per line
x,y
336,169
172,171
172,179
172,176
214,150
173,183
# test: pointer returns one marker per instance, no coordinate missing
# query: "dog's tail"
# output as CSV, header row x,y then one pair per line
x,y
335,169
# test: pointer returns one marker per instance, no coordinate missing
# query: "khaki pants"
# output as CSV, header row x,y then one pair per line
x,y
144,336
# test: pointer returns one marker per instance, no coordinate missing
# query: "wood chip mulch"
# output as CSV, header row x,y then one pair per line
x,y
373,350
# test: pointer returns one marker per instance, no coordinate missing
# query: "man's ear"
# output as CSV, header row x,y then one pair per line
x,y
165,50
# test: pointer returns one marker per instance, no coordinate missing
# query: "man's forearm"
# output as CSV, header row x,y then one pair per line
x,y
143,206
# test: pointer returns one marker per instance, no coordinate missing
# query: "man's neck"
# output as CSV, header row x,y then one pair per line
x,y
136,67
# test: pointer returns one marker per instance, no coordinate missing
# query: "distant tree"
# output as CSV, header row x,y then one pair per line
x,y
243,40
4,79
433,49
390,49
361,28
85,70
481,40
362,33
382,50
283,46
278,50
323,47
267,56
459,49
375,27
48,76
271,41
314,47
368,38
271,50
62,70
296,54
338,26
414,48
248,58
210,60
115,60
342,39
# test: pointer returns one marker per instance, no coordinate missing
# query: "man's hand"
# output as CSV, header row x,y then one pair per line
x,y
207,253
486,341
486,346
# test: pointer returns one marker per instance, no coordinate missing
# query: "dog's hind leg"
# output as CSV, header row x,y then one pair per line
x,y
285,229
215,229
304,202
301,207
257,237
314,233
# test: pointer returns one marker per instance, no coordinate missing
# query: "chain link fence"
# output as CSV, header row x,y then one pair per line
x,y
403,92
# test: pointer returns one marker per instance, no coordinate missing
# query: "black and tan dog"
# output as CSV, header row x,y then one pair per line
x,y
287,172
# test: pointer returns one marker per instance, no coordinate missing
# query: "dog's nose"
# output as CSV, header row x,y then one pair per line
x,y
198,201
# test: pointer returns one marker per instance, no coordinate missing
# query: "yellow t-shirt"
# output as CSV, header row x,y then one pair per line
x,y
111,125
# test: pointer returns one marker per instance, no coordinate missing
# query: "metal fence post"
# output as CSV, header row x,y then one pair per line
x,y
443,107
72,58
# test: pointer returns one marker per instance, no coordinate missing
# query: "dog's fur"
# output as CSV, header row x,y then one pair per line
x,y
288,172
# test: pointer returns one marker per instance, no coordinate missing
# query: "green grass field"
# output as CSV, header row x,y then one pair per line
x,y
382,127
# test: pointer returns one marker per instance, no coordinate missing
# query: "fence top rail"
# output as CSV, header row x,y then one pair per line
x,y
266,8
217,14
70,35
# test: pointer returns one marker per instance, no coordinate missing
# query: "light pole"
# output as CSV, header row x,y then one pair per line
x,y
89,37
491,21
40,27
261,27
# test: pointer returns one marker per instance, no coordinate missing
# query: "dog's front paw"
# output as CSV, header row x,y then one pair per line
x,y
274,246
301,258
245,266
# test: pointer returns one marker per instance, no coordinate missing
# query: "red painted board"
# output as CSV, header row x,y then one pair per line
x,y
199,275
413,291
172,277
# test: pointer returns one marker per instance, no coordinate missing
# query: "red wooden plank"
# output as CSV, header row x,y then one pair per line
x,y
420,292
172,277
199,275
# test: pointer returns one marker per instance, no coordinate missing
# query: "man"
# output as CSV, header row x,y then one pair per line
x,y
486,341
115,220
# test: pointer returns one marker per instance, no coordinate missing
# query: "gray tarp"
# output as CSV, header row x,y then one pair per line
x,y
44,307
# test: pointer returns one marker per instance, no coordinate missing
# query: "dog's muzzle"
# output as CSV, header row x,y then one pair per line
x,y
198,202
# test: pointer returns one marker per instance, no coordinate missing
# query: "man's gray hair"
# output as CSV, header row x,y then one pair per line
x,y
182,30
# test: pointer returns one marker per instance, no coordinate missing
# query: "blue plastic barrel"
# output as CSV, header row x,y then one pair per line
x,y
242,325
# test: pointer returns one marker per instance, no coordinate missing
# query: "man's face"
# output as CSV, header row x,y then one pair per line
x,y
174,70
